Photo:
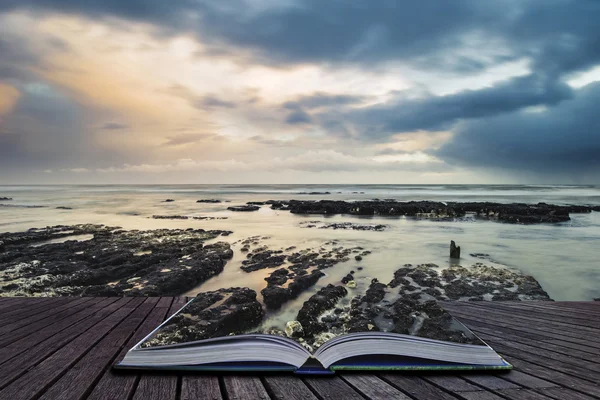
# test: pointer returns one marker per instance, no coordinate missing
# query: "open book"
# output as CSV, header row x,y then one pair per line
x,y
191,340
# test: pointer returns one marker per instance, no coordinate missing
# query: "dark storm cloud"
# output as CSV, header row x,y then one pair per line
x,y
557,38
441,112
563,139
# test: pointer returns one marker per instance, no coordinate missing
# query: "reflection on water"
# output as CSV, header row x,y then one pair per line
x,y
562,257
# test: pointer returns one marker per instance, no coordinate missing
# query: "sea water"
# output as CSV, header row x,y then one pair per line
x,y
562,257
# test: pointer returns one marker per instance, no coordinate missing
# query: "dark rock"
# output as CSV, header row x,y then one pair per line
x,y
64,208
111,262
244,208
278,277
347,279
454,250
263,258
168,201
375,293
212,201
5,198
359,268
510,213
212,314
274,296
256,203
358,258
325,299
313,193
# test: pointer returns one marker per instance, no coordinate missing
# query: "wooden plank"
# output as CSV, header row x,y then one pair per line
x,y
79,379
524,331
540,369
530,319
35,380
330,388
528,381
31,356
284,387
531,326
417,387
14,315
541,313
146,380
160,388
13,302
16,330
480,396
490,382
373,387
452,383
34,337
555,352
523,394
120,385
560,393
245,387
555,307
195,387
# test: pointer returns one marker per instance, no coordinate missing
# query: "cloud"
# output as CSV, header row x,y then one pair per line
x,y
188,138
114,126
441,112
211,102
560,141
298,117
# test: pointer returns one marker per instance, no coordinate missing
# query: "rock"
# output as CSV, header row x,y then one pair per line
x,y
245,208
347,278
359,268
454,250
358,258
256,203
375,293
510,213
322,338
313,193
111,262
212,314
212,201
325,299
5,198
63,208
294,329
278,277
275,296
351,284
262,258
168,201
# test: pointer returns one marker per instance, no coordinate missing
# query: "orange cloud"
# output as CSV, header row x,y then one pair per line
x,y
9,95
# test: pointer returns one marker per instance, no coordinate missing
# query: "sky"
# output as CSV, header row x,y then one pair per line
x,y
300,91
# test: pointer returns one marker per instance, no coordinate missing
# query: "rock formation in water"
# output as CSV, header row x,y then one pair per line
x,y
244,208
510,213
454,250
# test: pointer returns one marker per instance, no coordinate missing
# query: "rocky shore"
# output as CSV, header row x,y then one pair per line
x,y
518,213
218,313
411,303
96,260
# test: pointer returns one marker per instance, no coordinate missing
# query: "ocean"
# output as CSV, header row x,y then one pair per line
x,y
562,257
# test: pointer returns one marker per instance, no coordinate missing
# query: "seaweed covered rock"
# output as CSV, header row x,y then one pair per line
x,y
275,296
325,299
212,314
95,260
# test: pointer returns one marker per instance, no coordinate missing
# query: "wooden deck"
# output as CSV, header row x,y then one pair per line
x,y
63,348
